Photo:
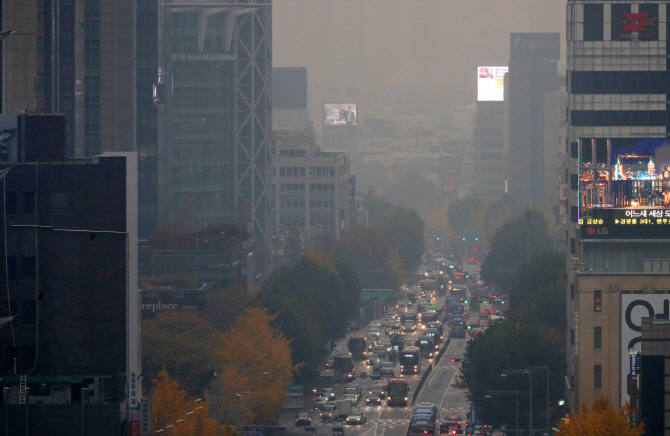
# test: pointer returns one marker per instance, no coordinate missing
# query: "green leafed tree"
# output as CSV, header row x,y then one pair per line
x,y
403,230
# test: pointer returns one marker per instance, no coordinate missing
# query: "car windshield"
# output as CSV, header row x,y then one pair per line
x,y
377,389
328,408
387,365
303,415
355,415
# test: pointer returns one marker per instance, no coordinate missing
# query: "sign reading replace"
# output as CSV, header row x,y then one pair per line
x,y
633,308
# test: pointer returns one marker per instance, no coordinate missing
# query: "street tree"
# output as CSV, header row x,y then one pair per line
x,y
402,229
171,406
257,357
185,345
514,245
600,420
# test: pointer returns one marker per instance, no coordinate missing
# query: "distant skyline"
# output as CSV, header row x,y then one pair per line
x,y
405,43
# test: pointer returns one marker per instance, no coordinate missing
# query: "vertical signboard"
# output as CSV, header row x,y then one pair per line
x,y
146,417
633,308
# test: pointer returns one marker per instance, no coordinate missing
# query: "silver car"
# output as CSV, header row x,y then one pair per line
x,y
356,418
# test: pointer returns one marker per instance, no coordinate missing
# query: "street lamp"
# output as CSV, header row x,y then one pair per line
x,y
529,370
516,396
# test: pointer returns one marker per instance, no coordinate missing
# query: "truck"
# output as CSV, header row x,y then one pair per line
x,y
340,409
357,347
397,391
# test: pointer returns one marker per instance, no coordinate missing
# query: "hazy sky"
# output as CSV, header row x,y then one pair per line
x,y
404,42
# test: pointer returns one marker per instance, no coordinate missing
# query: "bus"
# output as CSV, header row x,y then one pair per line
x,y
410,360
427,317
396,391
408,321
344,368
357,347
426,345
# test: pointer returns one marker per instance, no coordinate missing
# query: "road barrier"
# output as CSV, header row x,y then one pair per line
x,y
428,371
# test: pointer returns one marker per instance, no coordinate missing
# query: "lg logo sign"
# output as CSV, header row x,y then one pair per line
x,y
634,307
596,230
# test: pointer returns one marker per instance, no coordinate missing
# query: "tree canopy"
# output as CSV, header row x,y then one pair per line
x,y
533,335
313,300
403,230
514,244
600,420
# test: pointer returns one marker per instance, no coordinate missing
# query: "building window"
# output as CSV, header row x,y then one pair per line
x,y
597,301
28,312
60,203
28,268
27,203
597,338
11,268
10,203
597,376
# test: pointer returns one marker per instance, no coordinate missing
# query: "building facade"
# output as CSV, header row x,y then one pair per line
x,y
532,73
313,190
489,150
70,268
214,115
76,58
617,257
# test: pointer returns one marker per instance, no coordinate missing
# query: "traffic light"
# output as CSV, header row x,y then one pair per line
x,y
567,419
476,239
438,238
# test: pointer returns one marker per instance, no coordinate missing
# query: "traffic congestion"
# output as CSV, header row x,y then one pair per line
x,y
400,374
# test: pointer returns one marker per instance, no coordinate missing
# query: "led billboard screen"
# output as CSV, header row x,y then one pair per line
x,y
340,114
624,182
490,83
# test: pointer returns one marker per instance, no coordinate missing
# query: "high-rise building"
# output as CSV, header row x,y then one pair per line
x,y
488,150
618,166
214,123
533,71
69,268
78,58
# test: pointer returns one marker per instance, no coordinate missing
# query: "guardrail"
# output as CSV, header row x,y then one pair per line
x,y
429,370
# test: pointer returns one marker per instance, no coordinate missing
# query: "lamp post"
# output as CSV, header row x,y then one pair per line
x,y
529,370
516,396
530,393
245,390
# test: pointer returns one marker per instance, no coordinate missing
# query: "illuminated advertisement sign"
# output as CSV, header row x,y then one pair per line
x,y
633,308
624,183
340,114
490,83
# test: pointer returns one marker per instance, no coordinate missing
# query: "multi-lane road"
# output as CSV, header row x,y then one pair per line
x,y
394,421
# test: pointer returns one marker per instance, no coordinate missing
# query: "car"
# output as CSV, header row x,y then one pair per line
x,y
372,359
303,419
356,418
353,398
320,401
421,425
373,331
388,369
354,390
329,393
375,395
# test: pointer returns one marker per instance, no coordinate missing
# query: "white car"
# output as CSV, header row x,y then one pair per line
x,y
356,418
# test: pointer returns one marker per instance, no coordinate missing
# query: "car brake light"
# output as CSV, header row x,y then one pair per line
x,y
453,360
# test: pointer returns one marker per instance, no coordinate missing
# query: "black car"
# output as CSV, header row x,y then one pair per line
x,y
375,395
303,419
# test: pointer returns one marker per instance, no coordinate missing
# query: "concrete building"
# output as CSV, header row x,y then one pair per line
x,y
617,255
76,58
70,267
289,99
488,150
555,154
313,190
215,119
649,372
532,73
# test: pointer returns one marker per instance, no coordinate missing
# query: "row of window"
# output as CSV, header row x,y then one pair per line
x,y
300,205
290,222
23,203
300,171
20,268
313,187
293,153
618,118
620,82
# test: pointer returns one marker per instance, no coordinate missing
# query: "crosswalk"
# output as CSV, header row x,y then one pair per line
x,y
383,422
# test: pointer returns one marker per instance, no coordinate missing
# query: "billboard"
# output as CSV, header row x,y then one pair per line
x,y
340,114
624,183
490,83
633,308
